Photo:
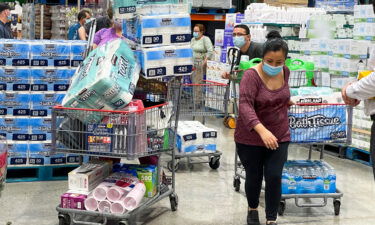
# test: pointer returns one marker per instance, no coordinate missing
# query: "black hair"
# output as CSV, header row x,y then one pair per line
x,y
273,34
243,26
3,7
82,14
274,45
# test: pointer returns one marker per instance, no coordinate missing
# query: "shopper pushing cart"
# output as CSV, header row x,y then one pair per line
x,y
262,132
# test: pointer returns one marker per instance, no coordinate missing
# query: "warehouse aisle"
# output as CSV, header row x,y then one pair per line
x,y
207,196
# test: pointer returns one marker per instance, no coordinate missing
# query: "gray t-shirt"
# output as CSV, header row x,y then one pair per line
x,y
255,50
5,31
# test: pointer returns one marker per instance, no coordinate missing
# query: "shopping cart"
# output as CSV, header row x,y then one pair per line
x,y
337,131
206,99
3,162
117,134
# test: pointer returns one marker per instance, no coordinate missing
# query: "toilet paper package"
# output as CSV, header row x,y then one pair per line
x,y
50,79
16,129
166,61
17,153
41,104
40,129
50,53
159,30
77,49
14,104
14,79
14,53
106,79
317,124
335,97
40,153
126,9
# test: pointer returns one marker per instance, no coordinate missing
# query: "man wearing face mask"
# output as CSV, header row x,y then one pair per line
x,y
5,18
242,40
73,34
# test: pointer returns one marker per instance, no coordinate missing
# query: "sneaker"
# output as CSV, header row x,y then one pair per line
x,y
271,223
253,217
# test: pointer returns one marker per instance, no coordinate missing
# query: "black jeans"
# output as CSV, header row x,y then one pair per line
x,y
257,161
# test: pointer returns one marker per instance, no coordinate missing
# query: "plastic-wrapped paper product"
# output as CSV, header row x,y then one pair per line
x,y
158,30
50,53
14,79
106,79
14,53
321,91
334,97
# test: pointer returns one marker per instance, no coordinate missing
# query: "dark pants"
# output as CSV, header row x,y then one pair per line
x,y
372,144
257,161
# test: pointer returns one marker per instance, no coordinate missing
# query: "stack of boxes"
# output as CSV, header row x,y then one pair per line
x,y
364,23
28,21
361,133
34,76
36,19
60,23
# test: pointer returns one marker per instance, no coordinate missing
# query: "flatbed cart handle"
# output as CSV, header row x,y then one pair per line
x,y
88,223
308,205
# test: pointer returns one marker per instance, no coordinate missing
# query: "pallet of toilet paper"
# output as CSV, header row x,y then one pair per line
x,y
99,186
194,137
41,53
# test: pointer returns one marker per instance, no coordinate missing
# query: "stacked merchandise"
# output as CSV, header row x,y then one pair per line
x,y
60,22
308,177
28,21
194,137
43,18
94,187
220,4
364,21
361,133
336,5
34,76
162,33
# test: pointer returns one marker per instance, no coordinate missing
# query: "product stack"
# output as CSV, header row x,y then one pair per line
x,y
28,21
60,21
99,186
221,4
34,76
36,20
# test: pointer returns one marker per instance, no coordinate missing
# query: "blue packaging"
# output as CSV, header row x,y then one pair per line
x,y
14,53
17,154
16,129
318,125
39,153
14,104
77,52
50,79
40,129
14,79
46,100
50,53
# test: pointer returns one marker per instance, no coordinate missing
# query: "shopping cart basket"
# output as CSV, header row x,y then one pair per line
x,y
3,162
117,134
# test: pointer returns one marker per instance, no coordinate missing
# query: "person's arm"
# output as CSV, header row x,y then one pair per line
x,y
248,91
362,89
2,33
82,33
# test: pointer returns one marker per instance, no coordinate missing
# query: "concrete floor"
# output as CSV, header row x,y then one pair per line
x,y
207,196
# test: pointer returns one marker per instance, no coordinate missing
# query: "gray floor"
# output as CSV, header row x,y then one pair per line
x,y
207,196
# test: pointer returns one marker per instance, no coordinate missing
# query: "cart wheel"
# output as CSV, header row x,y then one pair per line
x,y
237,184
282,206
175,167
231,123
214,163
173,198
337,205
64,219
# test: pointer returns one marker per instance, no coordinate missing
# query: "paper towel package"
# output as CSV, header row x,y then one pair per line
x,y
12,79
17,153
166,61
193,136
50,79
50,53
88,176
16,129
126,9
77,52
149,31
106,79
14,53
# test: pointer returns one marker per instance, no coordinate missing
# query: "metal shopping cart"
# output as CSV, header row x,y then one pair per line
x,y
206,99
314,128
117,134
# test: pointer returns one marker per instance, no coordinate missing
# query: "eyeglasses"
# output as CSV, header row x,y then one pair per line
x,y
238,34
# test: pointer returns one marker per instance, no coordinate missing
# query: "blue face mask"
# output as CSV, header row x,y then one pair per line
x,y
239,41
195,34
9,18
271,70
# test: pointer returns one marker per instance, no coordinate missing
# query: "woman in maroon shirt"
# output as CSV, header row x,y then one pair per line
x,y
262,135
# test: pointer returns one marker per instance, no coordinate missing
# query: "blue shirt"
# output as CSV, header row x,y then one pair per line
x,y
5,31
73,32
